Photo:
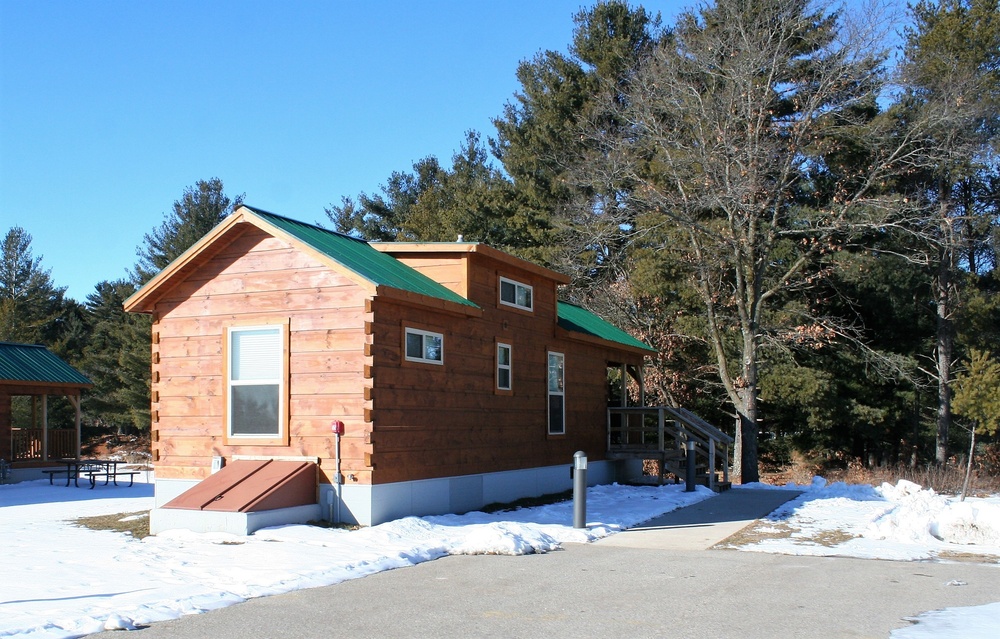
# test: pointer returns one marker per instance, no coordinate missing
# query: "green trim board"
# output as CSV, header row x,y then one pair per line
x,y
35,364
576,319
379,268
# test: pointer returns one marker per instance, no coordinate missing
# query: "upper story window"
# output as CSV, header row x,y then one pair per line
x,y
256,382
516,294
424,346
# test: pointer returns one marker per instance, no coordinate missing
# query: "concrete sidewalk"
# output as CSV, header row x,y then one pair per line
x,y
598,590
608,589
702,525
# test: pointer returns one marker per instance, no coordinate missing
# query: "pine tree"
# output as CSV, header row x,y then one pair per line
x,y
952,75
117,359
200,208
30,305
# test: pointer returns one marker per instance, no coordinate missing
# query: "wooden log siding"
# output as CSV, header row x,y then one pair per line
x,y
404,420
448,269
436,421
258,277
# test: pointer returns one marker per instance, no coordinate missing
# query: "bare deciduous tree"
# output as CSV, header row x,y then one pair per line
x,y
748,151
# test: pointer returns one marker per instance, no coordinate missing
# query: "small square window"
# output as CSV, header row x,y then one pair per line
x,y
516,294
424,346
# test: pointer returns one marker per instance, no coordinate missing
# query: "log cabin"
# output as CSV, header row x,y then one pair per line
x,y
300,373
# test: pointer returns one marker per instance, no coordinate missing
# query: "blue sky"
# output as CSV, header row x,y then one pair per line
x,y
110,109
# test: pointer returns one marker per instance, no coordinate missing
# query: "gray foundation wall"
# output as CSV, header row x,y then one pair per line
x,y
369,505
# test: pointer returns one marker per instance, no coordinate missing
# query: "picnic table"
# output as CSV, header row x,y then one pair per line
x,y
92,469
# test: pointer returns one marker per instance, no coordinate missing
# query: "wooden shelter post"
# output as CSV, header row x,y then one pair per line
x,y
624,391
75,401
45,428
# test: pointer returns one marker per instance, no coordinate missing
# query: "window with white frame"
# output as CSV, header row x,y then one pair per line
x,y
504,380
255,381
424,346
557,394
516,294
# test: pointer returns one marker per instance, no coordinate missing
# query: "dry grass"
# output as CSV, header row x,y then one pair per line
x,y
968,557
528,502
946,480
757,532
135,524
764,530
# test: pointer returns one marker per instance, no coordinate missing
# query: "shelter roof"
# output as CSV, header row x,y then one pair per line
x,y
35,365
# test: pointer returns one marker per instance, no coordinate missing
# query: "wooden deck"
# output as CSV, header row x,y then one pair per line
x,y
661,433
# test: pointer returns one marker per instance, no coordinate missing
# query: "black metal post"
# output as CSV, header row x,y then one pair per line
x,y
690,474
579,489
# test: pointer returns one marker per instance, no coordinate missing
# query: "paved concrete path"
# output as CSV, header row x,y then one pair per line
x,y
632,586
590,590
702,525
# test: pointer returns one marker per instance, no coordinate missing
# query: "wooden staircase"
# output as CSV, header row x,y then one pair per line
x,y
661,433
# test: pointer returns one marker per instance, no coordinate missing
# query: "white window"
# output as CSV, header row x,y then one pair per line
x,y
255,382
557,394
515,294
424,346
503,367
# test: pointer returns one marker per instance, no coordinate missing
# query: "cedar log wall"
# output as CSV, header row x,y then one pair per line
x,y
408,420
439,421
260,278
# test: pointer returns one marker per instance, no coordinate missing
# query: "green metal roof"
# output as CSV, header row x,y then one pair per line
x,y
32,363
356,255
578,320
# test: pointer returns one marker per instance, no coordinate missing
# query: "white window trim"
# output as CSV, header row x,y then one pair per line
x,y
280,380
509,367
516,284
551,393
416,331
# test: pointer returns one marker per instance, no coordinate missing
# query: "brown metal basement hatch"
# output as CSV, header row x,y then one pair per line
x,y
251,486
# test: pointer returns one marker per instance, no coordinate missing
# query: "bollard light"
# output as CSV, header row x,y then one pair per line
x,y
579,489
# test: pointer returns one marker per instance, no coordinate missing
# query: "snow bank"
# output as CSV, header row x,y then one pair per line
x,y
901,521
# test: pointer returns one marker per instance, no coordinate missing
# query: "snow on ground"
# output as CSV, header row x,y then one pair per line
x,y
900,522
62,580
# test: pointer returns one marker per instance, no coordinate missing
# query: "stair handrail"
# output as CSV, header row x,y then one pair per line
x,y
709,440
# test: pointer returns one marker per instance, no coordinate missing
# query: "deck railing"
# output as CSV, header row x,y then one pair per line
x,y
662,432
26,443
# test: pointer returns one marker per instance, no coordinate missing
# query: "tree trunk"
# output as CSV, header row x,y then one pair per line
x,y
737,470
749,471
747,409
945,338
968,467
